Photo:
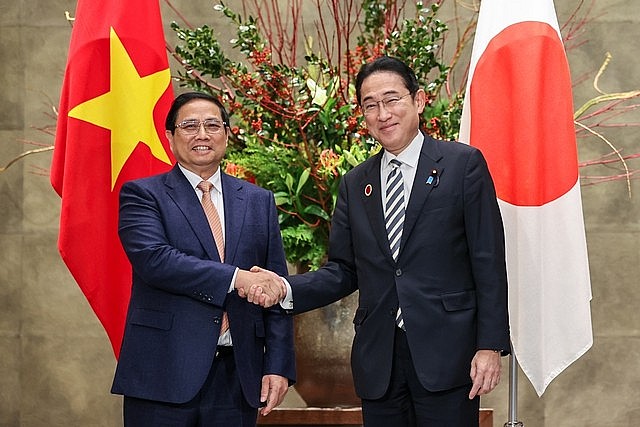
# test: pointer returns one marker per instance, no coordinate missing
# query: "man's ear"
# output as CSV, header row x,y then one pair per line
x,y
421,99
169,136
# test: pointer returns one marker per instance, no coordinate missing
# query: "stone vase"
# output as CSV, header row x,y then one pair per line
x,y
323,339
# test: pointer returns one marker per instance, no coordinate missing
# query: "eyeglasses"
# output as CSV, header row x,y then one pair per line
x,y
192,127
373,107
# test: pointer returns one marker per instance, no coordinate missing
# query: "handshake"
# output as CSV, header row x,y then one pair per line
x,y
261,287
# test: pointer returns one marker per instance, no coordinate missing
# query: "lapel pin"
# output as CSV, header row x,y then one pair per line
x,y
434,178
367,190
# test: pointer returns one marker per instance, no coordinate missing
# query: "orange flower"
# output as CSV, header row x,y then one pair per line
x,y
256,124
231,169
239,172
352,123
329,162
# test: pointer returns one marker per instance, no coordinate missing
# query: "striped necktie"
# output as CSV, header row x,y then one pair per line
x,y
394,216
216,228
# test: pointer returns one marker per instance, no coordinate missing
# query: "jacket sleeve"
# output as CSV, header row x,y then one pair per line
x,y
485,239
168,256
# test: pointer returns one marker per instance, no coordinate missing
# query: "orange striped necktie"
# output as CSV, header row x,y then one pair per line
x,y
216,228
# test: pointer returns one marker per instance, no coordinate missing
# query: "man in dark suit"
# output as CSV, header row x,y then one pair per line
x,y
180,365
427,259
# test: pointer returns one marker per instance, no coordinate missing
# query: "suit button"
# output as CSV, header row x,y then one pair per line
x,y
399,272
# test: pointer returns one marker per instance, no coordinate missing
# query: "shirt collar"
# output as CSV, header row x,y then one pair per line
x,y
409,156
195,179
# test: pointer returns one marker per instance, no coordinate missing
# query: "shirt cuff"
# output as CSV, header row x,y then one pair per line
x,y
287,301
232,287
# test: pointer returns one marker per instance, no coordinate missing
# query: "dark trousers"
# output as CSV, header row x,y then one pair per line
x,y
408,404
220,403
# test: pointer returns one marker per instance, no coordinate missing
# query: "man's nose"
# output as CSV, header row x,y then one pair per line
x,y
201,131
383,111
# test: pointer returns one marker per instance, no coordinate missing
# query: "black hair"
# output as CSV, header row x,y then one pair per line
x,y
387,64
181,100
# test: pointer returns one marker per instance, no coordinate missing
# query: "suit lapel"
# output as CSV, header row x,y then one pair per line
x,y
180,191
428,166
234,212
371,196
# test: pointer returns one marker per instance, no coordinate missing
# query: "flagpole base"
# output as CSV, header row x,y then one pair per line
x,y
514,424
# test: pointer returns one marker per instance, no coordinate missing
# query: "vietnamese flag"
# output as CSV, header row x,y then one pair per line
x,y
519,111
115,96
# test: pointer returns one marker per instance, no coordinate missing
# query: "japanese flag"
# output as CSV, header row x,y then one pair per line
x,y
518,110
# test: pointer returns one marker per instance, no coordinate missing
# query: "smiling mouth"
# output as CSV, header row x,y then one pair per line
x,y
201,148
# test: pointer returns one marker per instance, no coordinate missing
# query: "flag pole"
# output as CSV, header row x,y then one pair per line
x,y
513,393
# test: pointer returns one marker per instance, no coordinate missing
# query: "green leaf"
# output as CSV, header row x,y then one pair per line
x,y
289,181
317,211
304,176
350,158
282,198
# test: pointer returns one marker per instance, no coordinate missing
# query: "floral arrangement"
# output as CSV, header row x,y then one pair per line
x,y
296,128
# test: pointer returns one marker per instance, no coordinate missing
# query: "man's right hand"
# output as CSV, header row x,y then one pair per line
x,y
261,287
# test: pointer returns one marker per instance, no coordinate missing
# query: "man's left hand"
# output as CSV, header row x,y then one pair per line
x,y
274,388
485,372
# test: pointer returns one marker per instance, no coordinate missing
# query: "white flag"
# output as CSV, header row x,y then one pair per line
x,y
518,110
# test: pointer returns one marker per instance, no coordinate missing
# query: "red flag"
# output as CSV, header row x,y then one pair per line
x,y
115,96
519,111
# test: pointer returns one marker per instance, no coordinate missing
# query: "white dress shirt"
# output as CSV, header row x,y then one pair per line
x,y
218,202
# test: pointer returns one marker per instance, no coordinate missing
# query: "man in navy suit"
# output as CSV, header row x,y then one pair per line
x,y
431,322
179,364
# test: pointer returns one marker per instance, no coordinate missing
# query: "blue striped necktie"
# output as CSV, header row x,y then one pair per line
x,y
394,215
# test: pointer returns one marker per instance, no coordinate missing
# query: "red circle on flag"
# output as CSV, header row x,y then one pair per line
x,y
522,114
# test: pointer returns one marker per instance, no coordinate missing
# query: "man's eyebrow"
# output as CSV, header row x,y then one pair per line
x,y
384,95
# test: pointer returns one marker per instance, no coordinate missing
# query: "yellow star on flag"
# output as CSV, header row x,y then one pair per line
x,y
127,109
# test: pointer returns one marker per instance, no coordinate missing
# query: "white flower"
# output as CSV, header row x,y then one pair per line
x,y
319,94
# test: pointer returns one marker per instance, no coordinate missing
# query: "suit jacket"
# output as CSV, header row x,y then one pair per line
x,y
180,289
449,279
